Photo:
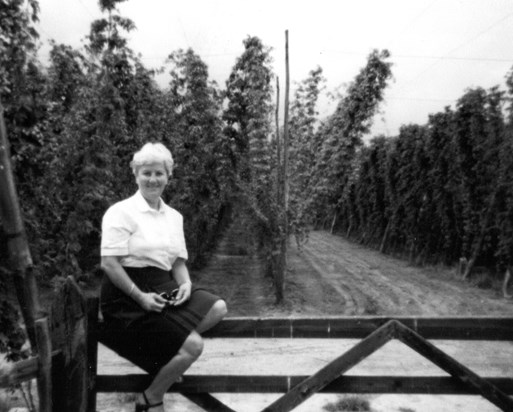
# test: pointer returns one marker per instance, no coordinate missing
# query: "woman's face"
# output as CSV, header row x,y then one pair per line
x,y
152,180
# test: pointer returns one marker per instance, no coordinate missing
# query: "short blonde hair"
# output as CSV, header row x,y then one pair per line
x,y
153,153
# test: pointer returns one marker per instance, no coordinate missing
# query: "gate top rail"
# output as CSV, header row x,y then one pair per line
x,y
345,327
450,328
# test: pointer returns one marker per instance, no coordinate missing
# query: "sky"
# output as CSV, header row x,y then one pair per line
x,y
439,48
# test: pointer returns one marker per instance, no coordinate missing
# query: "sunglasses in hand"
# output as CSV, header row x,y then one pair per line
x,y
169,296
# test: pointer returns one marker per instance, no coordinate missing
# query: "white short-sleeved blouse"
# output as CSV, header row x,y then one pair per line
x,y
142,236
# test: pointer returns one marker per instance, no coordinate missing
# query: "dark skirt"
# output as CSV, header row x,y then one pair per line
x,y
150,339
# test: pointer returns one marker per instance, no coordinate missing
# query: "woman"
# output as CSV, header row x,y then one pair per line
x,y
143,249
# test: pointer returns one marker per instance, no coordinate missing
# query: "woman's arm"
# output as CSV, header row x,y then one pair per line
x,y
118,276
181,275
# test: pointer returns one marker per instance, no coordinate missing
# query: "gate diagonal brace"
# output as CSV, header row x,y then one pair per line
x,y
453,367
330,372
366,347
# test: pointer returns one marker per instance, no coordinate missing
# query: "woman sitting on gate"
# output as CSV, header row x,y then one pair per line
x,y
147,295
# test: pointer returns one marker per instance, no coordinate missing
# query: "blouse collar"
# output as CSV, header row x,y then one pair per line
x,y
143,205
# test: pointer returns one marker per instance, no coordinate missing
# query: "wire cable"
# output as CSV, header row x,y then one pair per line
x,y
419,56
86,9
446,56
411,21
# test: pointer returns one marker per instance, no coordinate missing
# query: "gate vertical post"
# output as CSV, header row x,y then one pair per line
x,y
69,323
92,351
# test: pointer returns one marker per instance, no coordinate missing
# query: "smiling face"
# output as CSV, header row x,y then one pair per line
x,y
152,179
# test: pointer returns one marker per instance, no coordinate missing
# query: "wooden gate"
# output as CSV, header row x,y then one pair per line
x,y
76,333
374,331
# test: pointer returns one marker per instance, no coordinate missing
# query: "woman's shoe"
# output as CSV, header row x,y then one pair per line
x,y
147,405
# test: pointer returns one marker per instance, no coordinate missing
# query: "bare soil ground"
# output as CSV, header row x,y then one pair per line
x,y
331,276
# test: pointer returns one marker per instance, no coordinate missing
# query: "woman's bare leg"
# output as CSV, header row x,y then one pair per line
x,y
171,371
186,356
216,313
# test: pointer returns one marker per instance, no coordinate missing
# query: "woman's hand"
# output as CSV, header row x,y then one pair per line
x,y
181,275
184,293
151,302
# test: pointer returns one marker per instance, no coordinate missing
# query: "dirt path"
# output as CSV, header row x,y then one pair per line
x,y
369,282
331,276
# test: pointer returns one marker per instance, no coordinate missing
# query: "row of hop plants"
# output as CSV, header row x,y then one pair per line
x,y
441,191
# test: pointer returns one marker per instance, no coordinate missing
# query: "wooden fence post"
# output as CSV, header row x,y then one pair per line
x,y
92,350
44,350
69,334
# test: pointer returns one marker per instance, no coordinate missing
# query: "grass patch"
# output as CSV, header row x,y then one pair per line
x,y
348,403
482,280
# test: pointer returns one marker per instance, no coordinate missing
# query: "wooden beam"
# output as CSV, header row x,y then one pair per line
x,y
339,366
493,328
430,385
123,383
453,367
15,373
282,384
457,328
208,402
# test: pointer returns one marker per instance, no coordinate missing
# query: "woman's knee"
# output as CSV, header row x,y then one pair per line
x,y
220,309
193,345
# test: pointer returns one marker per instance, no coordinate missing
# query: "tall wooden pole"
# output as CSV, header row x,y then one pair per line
x,y
278,143
282,269
36,321
286,129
